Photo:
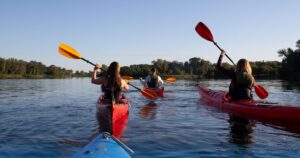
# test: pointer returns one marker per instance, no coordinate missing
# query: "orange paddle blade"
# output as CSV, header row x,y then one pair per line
x,y
68,51
260,91
171,79
128,78
148,93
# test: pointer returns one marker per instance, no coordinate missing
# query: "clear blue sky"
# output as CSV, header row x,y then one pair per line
x,y
139,31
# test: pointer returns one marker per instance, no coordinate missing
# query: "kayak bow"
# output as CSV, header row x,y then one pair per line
x,y
104,146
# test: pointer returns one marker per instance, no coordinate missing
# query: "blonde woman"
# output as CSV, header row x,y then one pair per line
x,y
112,83
242,81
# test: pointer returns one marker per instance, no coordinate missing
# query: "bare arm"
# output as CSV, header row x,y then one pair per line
x,y
229,73
96,80
160,81
147,79
124,85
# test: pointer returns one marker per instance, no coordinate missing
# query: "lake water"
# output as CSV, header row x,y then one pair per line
x,y
53,118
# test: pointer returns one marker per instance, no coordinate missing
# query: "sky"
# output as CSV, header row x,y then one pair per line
x,y
140,31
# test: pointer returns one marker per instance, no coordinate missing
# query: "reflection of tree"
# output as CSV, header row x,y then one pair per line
x,y
291,85
104,118
240,130
148,111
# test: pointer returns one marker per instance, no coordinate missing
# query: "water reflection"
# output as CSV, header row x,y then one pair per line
x,y
148,112
240,130
104,118
288,85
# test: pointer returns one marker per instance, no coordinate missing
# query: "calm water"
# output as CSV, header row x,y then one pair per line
x,y
53,118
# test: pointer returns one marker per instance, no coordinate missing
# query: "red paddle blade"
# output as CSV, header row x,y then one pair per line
x,y
260,91
204,32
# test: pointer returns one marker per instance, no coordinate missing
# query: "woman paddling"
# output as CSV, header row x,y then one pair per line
x,y
112,83
242,81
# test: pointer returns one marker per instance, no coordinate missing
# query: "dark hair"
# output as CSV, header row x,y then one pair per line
x,y
113,76
153,70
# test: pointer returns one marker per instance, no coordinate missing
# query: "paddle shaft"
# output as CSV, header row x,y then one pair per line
x,y
215,43
91,63
104,70
134,86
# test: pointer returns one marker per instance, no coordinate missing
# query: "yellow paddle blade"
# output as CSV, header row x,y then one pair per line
x,y
128,78
148,94
68,51
171,79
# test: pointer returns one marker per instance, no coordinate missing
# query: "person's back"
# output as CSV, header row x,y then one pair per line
x,y
112,83
242,80
152,80
153,83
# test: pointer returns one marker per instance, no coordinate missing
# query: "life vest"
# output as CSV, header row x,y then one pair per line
x,y
153,83
115,95
241,87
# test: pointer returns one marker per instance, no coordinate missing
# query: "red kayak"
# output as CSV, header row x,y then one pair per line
x,y
251,109
118,109
158,91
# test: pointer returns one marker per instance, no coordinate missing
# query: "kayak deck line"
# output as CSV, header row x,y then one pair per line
x,y
104,145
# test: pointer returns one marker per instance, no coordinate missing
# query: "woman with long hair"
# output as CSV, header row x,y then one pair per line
x,y
112,83
242,80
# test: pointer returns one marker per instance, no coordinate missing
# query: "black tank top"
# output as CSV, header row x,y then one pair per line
x,y
153,82
114,95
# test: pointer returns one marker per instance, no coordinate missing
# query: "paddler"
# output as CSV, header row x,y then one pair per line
x,y
152,80
112,83
242,80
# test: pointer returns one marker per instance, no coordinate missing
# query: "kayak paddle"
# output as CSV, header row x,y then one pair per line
x,y
205,33
71,53
171,79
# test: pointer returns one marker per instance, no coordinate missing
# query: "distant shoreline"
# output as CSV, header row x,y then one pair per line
x,y
17,76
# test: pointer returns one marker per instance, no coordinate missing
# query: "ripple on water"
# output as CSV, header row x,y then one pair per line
x,y
55,118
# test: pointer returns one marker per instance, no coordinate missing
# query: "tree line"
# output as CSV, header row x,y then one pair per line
x,y
198,68
290,63
14,68
194,68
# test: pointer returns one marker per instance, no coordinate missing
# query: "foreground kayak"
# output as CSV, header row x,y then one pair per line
x,y
104,146
158,91
268,112
118,109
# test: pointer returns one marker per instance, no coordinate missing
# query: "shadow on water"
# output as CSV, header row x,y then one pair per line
x,y
148,112
288,85
105,124
104,118
240,130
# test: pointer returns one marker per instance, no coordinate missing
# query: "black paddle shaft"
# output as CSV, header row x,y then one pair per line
x,y
104,70
90,63
215,43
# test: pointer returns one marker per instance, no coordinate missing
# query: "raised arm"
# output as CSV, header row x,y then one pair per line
x,y
96,80
229,73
